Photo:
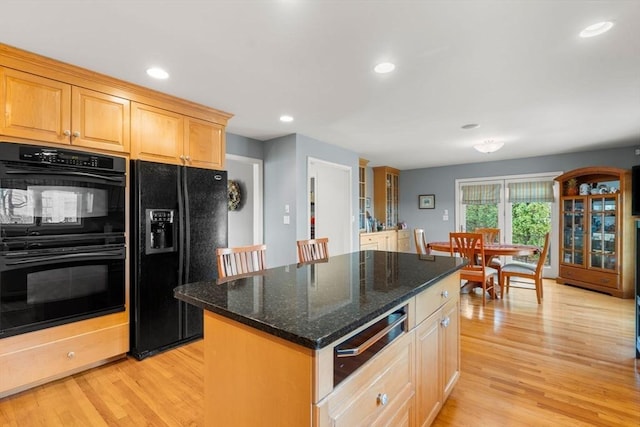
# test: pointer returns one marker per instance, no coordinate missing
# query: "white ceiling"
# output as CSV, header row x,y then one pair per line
x,y
517,68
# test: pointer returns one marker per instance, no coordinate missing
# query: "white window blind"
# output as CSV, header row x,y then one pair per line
x,y
482,194
529,192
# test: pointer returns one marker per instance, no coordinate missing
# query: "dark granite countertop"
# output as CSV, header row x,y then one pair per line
x,y
315,304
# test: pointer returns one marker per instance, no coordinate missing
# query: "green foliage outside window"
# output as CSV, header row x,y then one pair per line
x,y
531,221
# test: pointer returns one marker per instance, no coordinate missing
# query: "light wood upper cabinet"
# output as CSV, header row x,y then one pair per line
x,y
99,120
38,108
204,144
158,135
34,107
167,137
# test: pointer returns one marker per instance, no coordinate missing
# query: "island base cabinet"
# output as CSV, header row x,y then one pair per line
x,y
253,378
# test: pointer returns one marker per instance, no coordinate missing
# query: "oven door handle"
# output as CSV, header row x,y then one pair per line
x,y
117,179
356,351
49,258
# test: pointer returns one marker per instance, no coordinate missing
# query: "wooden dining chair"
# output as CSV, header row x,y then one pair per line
x,y
525,271
421,242
491,235
313,249
471,247
240,260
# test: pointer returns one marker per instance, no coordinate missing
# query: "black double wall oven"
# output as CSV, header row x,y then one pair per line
x,y
62,236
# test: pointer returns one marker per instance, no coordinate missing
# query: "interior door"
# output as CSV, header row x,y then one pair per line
x,y
331,204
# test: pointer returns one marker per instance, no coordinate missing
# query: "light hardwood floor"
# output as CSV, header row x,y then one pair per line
x,y
567,362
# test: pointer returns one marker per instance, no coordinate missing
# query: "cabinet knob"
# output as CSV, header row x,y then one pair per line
x,y
188,158
181,157
445,322
382,399
76,134
67,133
71,355
445,294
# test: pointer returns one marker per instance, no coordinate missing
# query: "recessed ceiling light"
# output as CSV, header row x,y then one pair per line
x,y
596,29
157,73
384,67
471,126
286,119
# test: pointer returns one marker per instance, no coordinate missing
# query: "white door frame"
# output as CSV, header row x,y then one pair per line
x,y
257,167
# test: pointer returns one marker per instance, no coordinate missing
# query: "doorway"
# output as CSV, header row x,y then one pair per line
x,y
329,204
245,223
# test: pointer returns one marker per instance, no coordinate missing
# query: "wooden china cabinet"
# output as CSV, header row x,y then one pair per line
x,y
596,230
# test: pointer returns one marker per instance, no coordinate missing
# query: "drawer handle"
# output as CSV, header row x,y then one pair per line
x,y
71,355
383,399
445,294
445,322
350,352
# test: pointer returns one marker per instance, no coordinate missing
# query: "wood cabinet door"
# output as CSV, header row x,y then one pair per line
x,y
429,398
450,343
99,120
157,135
204,144
34,107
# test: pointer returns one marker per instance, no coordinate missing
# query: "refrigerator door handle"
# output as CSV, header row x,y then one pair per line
x,y
187,225
181,226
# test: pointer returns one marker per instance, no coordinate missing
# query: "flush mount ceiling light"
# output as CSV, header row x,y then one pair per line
x,y
286,119
157,73
384,67
596,29
488,146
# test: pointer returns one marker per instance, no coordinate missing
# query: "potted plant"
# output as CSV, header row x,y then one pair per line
x,y
572,187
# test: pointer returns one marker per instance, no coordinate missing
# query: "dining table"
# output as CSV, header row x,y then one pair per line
x,y
491,250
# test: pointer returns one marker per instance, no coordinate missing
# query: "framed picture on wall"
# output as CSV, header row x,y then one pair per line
x,y
427,201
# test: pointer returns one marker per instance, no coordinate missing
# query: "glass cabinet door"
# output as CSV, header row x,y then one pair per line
x,y
392,200
602,218
573,231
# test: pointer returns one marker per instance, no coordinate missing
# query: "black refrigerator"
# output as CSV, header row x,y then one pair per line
x,y
178,219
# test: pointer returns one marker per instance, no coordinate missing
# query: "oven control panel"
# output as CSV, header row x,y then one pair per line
x,y
55,156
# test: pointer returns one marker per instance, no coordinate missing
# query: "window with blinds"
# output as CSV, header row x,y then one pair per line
x,y
530,192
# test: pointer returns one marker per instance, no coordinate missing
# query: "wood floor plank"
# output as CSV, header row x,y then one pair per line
x,y
567,362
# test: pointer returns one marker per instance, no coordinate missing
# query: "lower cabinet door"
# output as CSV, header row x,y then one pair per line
x,y
429,398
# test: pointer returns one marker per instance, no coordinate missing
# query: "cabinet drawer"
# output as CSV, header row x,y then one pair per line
x,y
40,362
375,392
433,298
598,278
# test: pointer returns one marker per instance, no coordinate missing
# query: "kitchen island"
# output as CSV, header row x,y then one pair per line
x,y
365,338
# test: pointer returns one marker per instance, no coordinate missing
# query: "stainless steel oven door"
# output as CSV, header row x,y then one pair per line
x,y
44,288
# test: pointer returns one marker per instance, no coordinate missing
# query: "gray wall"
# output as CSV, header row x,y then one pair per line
x,y
441,182
243,146
281,187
